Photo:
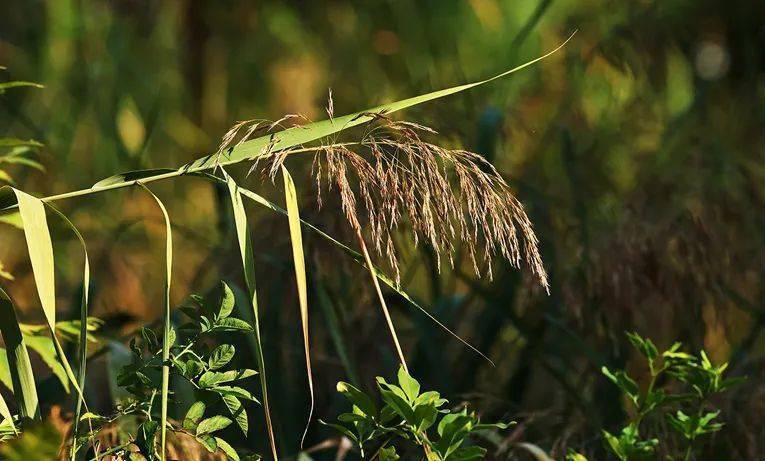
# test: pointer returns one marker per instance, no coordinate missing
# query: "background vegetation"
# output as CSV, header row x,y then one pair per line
x,y
637,152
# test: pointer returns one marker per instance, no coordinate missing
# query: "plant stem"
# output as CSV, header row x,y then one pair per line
x,y
384,306
688,451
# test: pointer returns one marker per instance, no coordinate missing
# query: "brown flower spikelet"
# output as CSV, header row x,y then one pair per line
x,y
444,195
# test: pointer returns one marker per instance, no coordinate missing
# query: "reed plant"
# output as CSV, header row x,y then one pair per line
x,y
390,174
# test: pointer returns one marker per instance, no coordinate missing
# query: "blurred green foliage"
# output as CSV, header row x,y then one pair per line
x,y
637,153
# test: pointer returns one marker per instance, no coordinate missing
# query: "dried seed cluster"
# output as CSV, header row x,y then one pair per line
x,y
393,176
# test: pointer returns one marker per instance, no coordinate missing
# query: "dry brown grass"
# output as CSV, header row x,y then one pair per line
x,y
395,177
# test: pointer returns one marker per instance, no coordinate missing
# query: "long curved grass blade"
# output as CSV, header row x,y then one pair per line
x,y
248,265
40,248
296,237
286,139
16,84
298,135
22,378
130,176
82,353
166,327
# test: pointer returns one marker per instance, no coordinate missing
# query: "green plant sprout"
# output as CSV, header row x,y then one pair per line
x,y
687,412
408,416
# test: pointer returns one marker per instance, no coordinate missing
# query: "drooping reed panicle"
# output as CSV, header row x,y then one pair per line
x,y
393,177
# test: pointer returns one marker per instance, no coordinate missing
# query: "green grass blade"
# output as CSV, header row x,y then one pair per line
x,y
286,139
335,330
22,378
166,324
40,248
296,136
5,412
130,176
17,84
296,237
82,353
248,263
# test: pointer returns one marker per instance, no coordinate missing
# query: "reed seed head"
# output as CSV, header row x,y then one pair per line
x,y
394,178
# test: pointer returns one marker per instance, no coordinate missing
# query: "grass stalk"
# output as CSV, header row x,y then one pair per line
x,y
383,305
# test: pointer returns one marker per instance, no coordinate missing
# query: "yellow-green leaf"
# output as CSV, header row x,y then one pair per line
x,y
40,249
298,135
166,327
288,138
24,389
83,345
296,237
248,266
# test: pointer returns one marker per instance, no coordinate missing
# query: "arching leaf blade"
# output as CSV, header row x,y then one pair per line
x,y
303,134
296,237
82,352
248,266
40,250
166,324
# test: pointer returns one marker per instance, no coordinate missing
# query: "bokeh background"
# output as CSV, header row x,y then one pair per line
x,y
637,151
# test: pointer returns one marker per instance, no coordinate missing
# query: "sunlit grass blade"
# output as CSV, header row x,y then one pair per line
x,y
248,265
82,352
298,135
40,249
296,237
17,84
5,412
286,139
22,378
166,324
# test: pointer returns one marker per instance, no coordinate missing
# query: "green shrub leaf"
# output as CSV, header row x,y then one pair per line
x,y
221,356
194,415
213,424
227,449
227,302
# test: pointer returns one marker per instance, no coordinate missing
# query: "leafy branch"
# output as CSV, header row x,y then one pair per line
x,y
192,358
409,415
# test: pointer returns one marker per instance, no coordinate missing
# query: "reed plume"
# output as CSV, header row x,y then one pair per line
x,y
394,177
